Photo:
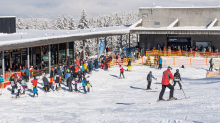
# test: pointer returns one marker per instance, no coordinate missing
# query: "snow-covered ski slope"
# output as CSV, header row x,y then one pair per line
x,y
114,100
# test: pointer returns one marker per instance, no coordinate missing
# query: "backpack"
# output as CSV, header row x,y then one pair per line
x,y
148,77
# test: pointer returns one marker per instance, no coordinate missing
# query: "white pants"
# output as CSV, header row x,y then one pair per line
x,y
56,85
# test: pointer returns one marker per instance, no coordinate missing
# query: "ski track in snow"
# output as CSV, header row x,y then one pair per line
x,y
116,100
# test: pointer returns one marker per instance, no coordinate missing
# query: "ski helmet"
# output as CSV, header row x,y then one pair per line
x,y
177,70
169,68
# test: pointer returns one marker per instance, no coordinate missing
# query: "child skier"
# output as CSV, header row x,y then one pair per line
x,y
88,86
12,84
149,79
23,84
177,78
34,82
84,84
76,85
167,75
121,71
19,88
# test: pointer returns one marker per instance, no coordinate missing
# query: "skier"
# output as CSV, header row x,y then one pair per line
x,y
167,75
149,79
23,84
19,88
12,84
129,65
34,82
88,86
69,83
46,83
177,78
211,64
79,76
84,84
51,77
76,85
27,71
160,62
121,71
57,81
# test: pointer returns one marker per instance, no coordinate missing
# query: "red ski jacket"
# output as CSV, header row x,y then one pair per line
x,y
167,75
122,69
34,82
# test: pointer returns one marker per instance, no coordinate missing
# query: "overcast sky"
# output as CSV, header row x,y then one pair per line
x,y
93,8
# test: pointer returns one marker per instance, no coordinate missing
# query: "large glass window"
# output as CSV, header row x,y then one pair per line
x,y
62,53
15,60
71,51
54,54
45,56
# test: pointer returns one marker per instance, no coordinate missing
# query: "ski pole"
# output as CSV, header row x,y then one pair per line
x,y
156,84
183,92
184,83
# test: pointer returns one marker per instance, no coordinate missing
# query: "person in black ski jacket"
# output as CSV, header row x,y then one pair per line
x,y
149,79
177,78
80,76
69,83
46,83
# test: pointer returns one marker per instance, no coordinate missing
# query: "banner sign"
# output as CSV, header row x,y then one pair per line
x,y
212,74
102,45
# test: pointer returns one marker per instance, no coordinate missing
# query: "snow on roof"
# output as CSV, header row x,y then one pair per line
x,y
180,7
27,36
7,16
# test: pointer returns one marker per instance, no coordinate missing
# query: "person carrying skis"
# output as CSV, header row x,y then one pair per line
x,y
149,79
167,75
211,65
177,78
121,71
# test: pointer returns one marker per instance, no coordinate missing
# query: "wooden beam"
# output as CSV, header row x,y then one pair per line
x,y
31,57
10,59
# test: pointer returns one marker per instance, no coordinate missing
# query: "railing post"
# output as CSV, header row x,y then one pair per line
x,y
190,62
142,60
206,61
173,60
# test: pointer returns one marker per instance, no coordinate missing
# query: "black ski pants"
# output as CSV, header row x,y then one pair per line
x,y
163,90
122,73
148,85
211,67
160,66
178,83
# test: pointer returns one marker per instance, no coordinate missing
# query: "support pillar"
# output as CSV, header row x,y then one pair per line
x,y
98,48
40,56
31,57
105,46
73,53
28,58
10,59
58,49
129,42
83,49
67,51
21,56
49,58
121,42
3,65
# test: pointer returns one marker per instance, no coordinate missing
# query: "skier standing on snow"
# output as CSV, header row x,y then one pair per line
x,y
69,82
84,84
46,83
167,75
12,84
121,72
19,88
177,78
211,64
149,79
34,82
57,81
160,62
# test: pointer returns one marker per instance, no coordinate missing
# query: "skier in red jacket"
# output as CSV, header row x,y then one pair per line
x,y
121,71
167,75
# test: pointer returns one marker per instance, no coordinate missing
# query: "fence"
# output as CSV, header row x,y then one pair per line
x,y
184,53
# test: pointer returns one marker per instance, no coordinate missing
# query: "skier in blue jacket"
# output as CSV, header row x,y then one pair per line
x,y
160,62
84,84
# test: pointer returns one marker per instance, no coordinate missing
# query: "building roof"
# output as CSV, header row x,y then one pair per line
x,y
180,7
31,38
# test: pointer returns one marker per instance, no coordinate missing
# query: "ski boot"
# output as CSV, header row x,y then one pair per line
x,y
160,100
172,98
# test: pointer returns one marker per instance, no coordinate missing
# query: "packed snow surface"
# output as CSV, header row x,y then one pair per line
x,y
116,100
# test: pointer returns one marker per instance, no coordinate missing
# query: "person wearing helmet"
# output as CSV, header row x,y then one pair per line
x,y
149,79
167,75
177,78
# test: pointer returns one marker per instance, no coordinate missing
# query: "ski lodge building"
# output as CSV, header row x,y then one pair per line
x,y
191,26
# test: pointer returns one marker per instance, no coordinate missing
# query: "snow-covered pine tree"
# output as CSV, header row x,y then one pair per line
x,y
83,21
60,23
72,25
65,23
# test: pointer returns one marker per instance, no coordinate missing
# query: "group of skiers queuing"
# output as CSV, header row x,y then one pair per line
x,y
72,76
